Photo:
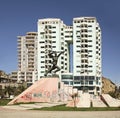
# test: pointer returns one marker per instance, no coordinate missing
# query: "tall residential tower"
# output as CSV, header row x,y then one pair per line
x,y
27,57
54,35
87,54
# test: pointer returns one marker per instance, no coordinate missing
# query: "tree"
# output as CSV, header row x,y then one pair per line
x,y
2,93
19,90
74,97
9,91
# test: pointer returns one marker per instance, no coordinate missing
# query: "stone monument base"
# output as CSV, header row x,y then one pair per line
x,y
44,90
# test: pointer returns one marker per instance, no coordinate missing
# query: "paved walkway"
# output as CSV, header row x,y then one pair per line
x,y
21,111
30,106
8,113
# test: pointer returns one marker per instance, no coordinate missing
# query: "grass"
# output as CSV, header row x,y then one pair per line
x,y
4,102
64,108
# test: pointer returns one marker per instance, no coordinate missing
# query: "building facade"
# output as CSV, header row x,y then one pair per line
x,y
53,35
87,54
27,58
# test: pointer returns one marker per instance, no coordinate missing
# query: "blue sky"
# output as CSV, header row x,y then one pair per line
x,y
20,16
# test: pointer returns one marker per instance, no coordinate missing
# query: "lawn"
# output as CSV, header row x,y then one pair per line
x,y
64,108
4,102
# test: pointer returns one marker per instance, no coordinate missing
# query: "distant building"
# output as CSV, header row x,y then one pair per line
x,y
5,80
27,58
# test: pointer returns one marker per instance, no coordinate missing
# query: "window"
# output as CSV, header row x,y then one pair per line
x,y
42,61
53,41
62,48
42,57
41,32
42,46
53,27
62,34
78,51
78,46
42,66
53,46
76,82
90,46
89,25
74,21
89,40
53,32
78,41
42,51
91,88
91,82
90,36
90,66
97,52
54,37
90,71
90,50
42,71
89,30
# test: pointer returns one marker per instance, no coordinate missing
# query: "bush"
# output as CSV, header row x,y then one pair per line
x,y
4,102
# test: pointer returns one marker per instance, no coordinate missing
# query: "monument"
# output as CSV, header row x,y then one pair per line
x,y
54,55
48,88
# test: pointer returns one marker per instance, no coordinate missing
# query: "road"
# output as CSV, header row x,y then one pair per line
x,y
12,113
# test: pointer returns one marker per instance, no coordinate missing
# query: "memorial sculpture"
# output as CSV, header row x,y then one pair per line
x,y
54,55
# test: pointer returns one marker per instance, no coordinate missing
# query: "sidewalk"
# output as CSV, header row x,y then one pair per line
x,y
58,114
31,106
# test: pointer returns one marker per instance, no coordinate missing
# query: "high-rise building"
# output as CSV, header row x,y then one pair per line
x,y
54,35
27,57
87,54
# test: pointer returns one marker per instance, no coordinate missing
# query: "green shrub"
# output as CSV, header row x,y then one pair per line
x,y
4,102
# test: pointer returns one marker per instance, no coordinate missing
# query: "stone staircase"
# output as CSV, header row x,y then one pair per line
x,y
97,102
112,102
84,100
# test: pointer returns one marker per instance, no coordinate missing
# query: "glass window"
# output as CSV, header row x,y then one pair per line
x,y
91,82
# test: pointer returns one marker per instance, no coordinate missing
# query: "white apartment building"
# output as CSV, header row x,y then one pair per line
x,y
87,54
53,35
27,58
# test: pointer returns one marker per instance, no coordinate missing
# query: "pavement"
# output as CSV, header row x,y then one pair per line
x,y
23,111
18,113
30,106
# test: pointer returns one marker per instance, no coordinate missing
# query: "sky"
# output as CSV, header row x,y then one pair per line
x,y
20,16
